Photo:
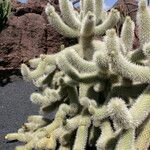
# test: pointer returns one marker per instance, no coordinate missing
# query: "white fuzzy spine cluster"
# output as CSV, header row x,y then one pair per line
x,y
143,19
127,33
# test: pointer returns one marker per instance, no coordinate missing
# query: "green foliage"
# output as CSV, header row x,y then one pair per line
x,y
5,10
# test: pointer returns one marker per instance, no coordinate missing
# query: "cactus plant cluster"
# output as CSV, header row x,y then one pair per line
x,y
5,9
100,88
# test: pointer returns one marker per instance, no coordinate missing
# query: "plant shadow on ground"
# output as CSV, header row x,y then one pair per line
x,y
9,76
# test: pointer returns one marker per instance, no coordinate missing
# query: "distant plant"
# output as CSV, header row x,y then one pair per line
x,y
5,9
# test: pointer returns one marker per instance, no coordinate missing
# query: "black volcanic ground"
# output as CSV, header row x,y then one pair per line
x,y
15,106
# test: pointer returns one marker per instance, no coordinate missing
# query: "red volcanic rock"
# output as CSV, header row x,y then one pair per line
x,y
27,34
24,38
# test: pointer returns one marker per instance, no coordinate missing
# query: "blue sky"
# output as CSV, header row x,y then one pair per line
x,y
23,1
107,4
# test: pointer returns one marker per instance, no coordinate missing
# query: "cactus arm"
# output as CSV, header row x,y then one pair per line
x,y
59,117
75,75
68,14
81,9
120,114
54,136
102,141
73,123
86,34
23,137
34,62
48,97
87,6
82,123
142,142
127,140
123,66
101,60
29,146
35,73
98,10
44,64
123,119
58,24
98,113
67,68
87,28
143,21
6,9
100,56
81,138
36,119
42,143
129,70
50,59
80,64
140,110
127,33
110,22
82,133
93,77
137,118
146,51
91,105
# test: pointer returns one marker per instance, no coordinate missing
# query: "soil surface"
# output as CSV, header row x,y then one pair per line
x,y
15,107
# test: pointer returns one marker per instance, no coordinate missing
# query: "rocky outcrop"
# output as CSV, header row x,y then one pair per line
x,y
27,34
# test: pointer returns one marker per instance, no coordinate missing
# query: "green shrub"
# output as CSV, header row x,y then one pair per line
x,y
5,9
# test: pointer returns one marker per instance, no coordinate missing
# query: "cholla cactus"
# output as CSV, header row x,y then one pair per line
x,y
100,87
5,9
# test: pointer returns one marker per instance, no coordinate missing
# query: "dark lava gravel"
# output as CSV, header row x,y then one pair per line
x,y
15,106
